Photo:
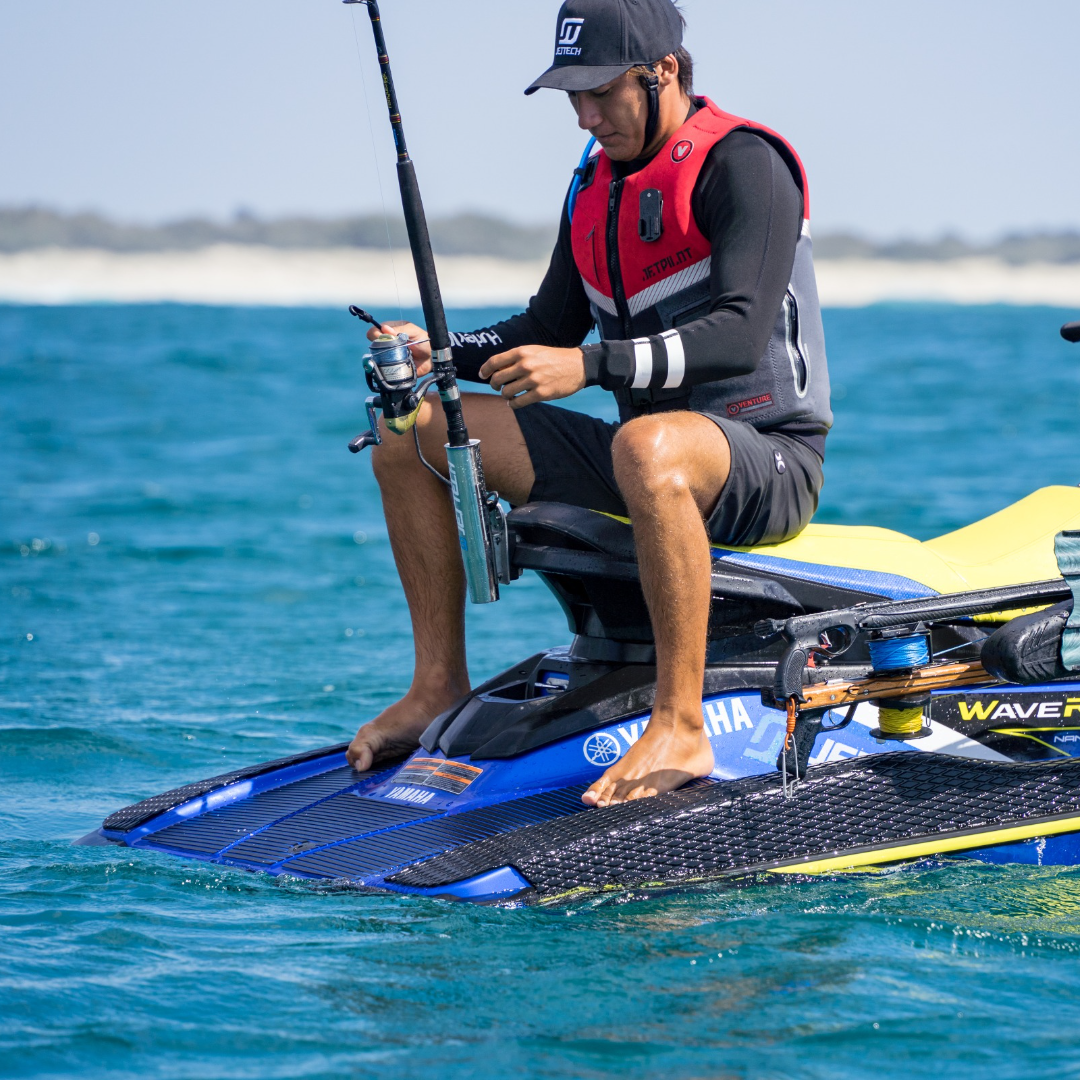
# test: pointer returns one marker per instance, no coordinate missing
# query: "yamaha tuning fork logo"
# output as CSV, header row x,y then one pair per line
x,y
569,32
601,749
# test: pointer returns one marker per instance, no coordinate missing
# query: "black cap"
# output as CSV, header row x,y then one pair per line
x,y
598,40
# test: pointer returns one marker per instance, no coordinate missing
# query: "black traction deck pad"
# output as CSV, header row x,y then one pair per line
x,y
882,806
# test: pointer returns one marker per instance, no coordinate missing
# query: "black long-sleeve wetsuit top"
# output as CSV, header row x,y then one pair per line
x,y
747,204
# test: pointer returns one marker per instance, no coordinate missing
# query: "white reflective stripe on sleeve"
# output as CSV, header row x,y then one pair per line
x,y
676,359
642,363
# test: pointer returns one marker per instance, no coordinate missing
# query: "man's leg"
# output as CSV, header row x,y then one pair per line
x,y
423,536
670,469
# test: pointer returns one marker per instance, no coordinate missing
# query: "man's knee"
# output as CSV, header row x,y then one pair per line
x,y
648,455
386,458
671,454
397,452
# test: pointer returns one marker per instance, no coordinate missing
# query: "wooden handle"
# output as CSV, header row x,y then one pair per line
x,y
933,677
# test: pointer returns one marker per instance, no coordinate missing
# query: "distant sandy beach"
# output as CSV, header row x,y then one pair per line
x,y
235,274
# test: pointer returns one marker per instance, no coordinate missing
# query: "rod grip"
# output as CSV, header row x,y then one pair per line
x,y
423,260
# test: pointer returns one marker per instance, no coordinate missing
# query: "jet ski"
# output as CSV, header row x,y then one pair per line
x,y
870,700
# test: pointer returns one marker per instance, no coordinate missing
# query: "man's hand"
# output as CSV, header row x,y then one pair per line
x,y
421,354
535,373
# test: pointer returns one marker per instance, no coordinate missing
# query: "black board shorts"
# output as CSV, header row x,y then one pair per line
x,y
770,495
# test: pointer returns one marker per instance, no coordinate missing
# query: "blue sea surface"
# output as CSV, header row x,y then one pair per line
x,y
195,576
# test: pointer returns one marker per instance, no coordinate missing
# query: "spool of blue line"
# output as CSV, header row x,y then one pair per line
x,y
900,653
901,719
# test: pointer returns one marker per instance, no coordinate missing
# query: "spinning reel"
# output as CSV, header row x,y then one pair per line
x,y
398,392
391,376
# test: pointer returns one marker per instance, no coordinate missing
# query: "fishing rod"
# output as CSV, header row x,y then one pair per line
x,y
391,375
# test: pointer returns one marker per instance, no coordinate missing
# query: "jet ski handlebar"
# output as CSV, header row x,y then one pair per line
x,y
829,634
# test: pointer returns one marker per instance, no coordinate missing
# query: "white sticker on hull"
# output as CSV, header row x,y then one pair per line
x,y
717,721
722,717
410,795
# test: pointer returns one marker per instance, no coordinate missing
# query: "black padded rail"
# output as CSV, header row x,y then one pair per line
x,y
742,827
1027,649
131,817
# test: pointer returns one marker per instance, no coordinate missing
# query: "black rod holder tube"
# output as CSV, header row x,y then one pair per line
x,y
420,245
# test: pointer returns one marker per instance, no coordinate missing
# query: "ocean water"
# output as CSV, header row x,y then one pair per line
x,y
194,576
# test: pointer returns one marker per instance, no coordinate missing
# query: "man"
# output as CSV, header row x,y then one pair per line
x,y
686,243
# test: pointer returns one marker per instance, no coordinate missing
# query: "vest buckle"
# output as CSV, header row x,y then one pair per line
x,y
651,215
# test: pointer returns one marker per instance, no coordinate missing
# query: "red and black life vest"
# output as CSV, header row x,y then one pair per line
x,y
640,284
647,271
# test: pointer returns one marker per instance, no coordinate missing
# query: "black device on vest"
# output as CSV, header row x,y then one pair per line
x,y
650,225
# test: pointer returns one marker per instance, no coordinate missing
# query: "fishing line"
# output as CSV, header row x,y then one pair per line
x,y
899,654
901,718
378,170
939,653
420,453
902,721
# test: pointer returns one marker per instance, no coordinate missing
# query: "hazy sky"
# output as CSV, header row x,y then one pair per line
x,y
913,118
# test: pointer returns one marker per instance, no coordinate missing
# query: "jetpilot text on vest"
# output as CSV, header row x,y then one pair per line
x,y
668,263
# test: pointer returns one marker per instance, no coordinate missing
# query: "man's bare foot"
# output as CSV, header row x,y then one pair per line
x,y
396,730
668,755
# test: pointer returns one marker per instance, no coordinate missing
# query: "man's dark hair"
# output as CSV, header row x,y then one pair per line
x,y
686,64
686,70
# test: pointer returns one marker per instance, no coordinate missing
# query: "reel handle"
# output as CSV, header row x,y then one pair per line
x,y
362,442
365,316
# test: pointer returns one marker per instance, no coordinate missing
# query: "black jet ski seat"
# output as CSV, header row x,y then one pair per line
x,y
587,559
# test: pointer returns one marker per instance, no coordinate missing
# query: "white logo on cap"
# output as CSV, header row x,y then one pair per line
x,y
571,31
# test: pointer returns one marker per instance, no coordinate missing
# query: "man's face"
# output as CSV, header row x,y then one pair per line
x,y
615,114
